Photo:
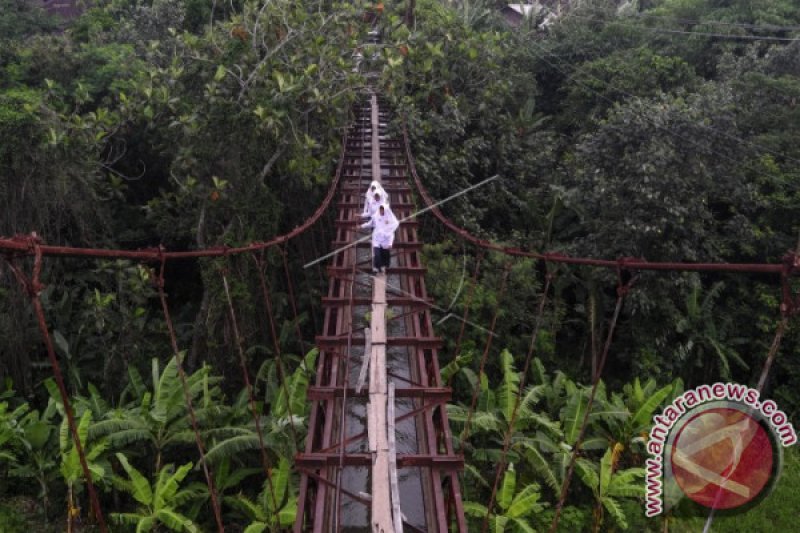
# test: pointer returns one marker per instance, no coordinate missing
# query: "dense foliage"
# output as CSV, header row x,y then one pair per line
x,y
613,138
665,130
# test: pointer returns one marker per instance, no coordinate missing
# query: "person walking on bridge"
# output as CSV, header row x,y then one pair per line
x,y
383,224
375,196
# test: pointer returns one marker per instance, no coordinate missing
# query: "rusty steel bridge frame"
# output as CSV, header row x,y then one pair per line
x,y
329,450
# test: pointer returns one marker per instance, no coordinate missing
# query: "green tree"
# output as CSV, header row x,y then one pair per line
x,y
625,419
19,19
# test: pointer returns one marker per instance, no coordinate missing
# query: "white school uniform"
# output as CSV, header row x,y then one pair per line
x,y
370,203
383,226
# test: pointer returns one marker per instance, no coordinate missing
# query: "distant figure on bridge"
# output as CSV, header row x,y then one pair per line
x,y
375,196
383,224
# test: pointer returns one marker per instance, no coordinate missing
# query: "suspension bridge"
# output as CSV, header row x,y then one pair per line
x,y
379,455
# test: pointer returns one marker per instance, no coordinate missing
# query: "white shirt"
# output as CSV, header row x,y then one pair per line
x,y
370,204
384,227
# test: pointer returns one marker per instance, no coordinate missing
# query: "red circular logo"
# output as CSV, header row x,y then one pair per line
x,y
722,458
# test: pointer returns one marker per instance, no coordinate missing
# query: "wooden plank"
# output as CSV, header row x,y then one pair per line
x,y
371,427
362,375
381,518
376,146
397,515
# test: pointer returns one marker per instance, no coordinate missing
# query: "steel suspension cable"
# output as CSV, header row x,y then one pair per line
x,y
773,352
315,250
34,287
265,462
487,347
276,342
622,291
501,464
212,490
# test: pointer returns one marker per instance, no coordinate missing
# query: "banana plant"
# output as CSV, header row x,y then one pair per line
x,y
608,485
158,417
517,508
459,365
27,438
160,502
287,411
267,513
12,435
71,468
625,419
495,412
707,342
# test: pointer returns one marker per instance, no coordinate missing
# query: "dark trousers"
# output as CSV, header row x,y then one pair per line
x,y
381,257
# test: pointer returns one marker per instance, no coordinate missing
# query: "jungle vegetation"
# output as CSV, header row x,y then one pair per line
x,y
658,129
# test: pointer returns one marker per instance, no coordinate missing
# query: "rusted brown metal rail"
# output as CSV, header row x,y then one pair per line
x,y
336,479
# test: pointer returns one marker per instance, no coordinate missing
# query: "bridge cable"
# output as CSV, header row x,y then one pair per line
x,y
788,308
259,260
468,303
33,288
309,286
501,464
292,301
622,290
487,347
265,462
212,490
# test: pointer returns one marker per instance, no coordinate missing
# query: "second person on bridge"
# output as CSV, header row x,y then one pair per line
x,y
375,196
383,224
